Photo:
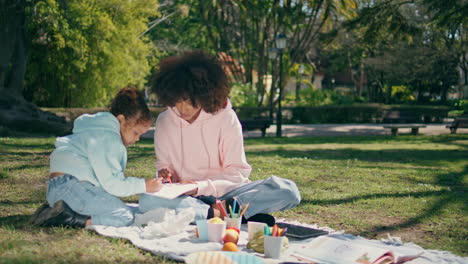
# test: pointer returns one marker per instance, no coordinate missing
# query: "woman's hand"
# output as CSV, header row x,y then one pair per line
x,y
167,176
153,185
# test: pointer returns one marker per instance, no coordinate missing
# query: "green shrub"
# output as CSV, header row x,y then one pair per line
x,y
462,104
360,113
402,93
336,114
243,95
314,97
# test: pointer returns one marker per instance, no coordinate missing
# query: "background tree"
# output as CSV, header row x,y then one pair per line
x,y
245,30
15,111
84,51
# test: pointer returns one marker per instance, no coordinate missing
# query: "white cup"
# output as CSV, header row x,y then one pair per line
x,y
233,222
202,226
273,246
254,227
216,231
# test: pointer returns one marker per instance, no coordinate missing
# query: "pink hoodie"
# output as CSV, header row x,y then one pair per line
x,y
209,151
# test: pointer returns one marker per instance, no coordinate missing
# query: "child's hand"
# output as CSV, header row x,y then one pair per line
x,y
165,175
153,185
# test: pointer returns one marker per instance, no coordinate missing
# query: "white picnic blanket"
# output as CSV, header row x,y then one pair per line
x,y
177,246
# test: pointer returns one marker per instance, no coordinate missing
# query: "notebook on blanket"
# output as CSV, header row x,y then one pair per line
x,y
325,249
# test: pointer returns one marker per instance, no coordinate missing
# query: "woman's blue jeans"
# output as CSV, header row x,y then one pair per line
x,y
265,196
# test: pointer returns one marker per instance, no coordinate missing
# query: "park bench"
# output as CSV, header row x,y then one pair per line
x,y
261,123
459,122
396,119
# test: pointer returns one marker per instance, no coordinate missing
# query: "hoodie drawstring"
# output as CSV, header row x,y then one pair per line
x,y
204,145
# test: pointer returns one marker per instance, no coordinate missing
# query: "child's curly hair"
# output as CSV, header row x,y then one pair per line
x,y
195,76
131,103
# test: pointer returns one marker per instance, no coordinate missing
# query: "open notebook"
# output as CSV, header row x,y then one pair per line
x,y
173,190
326,249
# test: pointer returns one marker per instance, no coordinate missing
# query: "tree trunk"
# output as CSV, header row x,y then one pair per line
x,y
15,112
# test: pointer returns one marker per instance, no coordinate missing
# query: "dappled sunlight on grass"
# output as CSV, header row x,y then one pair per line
x,y
409,186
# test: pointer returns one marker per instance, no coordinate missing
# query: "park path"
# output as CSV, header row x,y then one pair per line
x,y
301,130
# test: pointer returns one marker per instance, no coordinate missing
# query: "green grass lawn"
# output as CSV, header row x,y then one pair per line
x,y
413,187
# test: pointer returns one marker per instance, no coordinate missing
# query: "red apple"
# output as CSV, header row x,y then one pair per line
x,y
234,228
231,236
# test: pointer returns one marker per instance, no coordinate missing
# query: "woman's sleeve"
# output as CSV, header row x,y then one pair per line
x,y
106,160
235,170
162,147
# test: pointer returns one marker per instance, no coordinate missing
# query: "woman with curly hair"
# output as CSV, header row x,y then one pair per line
x,y
198,139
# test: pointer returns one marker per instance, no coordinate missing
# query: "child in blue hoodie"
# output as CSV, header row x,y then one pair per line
x,y
87,167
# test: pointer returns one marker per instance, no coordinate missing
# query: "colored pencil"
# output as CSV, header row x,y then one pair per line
x,y
243,210
231,211
284,231
234,205
221,208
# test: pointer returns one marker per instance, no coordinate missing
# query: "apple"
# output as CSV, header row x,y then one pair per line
x,y
234,228
231,235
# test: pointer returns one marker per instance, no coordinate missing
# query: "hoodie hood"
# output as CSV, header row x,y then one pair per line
x,y
102,121
202,117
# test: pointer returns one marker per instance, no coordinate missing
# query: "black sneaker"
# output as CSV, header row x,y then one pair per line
x,y
262,218
34,218
59,215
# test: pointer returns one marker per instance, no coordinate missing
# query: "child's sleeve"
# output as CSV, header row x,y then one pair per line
x,y
108,162
235,170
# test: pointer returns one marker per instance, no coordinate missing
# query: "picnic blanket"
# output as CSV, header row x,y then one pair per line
x,y
179,245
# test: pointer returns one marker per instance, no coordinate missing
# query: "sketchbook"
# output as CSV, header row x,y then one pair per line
x,y
326,249
173,190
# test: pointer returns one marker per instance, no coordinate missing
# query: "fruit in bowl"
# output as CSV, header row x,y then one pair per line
x,y
215,220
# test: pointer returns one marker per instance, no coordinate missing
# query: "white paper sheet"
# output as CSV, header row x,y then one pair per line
x,y
171,191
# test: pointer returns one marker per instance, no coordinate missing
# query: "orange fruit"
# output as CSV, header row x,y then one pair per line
x,y
229,246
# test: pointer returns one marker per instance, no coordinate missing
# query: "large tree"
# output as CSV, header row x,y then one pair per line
x,y
68,53
15,112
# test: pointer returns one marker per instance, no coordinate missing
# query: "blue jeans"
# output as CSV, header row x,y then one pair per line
x,y
265,196
87,199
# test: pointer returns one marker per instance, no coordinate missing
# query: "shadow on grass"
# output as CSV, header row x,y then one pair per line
x,y
354,139
390,155
455,195
25,145
16,221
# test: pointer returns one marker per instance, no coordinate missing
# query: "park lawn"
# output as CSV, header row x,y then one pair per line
x,y
413,187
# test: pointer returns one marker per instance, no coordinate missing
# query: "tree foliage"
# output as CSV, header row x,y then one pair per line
x,y
416,43
82,52
245,30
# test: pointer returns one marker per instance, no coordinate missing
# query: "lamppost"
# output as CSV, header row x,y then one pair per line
x,y
272,53
281,42
300,72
